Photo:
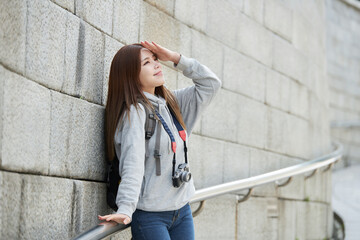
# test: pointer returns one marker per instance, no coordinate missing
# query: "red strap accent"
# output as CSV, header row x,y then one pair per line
x,y
182,134
173,146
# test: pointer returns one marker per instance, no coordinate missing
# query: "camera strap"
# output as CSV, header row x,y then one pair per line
x,y
182,134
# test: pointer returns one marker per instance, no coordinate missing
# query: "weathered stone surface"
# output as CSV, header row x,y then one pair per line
x,y
251,124
205,158
288,60
208,52
254,40
89,202
243,75
254,9
264,225
127,20
45,43
262,162
167,31
84,61
97,13
222,21
10,205
296,137
112,46
277,93
46,210
295,189
236,162
311,220
214,124
13,34
217,211
287,219
67,4
282,23
77,144
166,6
299,99
25,124
192,12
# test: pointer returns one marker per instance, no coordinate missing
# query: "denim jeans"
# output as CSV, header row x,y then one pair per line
x,y
166,225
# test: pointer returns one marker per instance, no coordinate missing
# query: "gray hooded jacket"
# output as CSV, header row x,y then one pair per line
x,y
140,186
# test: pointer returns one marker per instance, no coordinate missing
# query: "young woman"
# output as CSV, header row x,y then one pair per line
x,y
147,196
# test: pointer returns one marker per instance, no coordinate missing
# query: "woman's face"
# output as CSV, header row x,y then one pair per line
x,y
150,74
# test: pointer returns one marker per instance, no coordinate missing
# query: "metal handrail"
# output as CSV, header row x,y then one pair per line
x,y
105,229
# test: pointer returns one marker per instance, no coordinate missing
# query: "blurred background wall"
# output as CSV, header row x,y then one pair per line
x,y
288,68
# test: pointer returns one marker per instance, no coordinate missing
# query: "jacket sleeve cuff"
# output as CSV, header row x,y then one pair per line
x,y
183,63
123,209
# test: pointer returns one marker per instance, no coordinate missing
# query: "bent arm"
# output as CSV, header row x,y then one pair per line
x,y
194,99
131,144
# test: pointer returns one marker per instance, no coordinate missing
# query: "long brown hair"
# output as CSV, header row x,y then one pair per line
x,y
125,90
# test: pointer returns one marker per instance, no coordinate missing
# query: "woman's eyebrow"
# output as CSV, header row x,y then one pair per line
x,y
148,57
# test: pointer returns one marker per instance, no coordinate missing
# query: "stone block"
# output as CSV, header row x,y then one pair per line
x,y
251,123
295,189
123,235
287,219
315,187
67,4
167,31
84,61
97,13
25,124
205,159
290,61
262,162
276,130
257,219
13,34
222,21
164,5
192,12
222,210
89,202
214,123
278,18
254,40
46,211
277,92
208,52
311,220
296,137
254,9
236,162
10,205
299,100
112,46
127,20
243,75
77,145
45,43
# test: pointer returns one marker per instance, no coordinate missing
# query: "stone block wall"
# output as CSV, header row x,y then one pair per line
x,y
271,112
343,70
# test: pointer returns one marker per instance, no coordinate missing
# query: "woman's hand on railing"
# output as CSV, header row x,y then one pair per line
x,y
117,217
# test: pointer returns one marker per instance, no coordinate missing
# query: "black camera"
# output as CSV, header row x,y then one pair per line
x,y
182,174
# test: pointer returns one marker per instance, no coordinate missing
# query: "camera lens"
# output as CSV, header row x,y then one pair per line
x,y
186,176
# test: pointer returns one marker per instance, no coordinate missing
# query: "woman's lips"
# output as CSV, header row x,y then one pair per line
x,y
158,74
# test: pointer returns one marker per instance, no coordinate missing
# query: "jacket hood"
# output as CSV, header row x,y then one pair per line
x,y
155,99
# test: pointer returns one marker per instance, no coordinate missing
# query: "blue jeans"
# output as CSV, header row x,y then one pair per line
x,y
166,225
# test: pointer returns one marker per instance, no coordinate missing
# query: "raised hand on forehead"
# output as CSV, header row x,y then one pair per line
x,y
162,53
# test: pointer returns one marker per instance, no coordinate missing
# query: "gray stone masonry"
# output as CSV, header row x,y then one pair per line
x,y
288,68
